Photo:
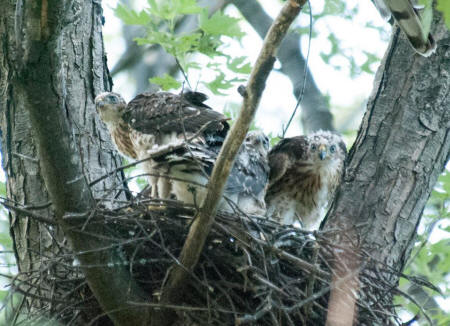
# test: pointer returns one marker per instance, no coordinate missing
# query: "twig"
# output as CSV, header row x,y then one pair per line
x,y
201,226
410,298
28,213
302,264
305,75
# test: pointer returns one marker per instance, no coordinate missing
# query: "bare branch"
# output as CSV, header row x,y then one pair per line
x,y
202,224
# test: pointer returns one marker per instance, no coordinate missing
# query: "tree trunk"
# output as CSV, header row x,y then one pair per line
x,y
52,65
402,146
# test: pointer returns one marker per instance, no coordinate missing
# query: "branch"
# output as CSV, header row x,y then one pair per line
x,y
201,226
315,109
27,213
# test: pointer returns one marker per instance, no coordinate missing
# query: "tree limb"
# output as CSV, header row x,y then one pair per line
x,y
201,226
315,109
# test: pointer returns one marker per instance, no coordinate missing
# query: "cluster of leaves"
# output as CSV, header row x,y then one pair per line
x,y
430,258
347,11
339,56
160,20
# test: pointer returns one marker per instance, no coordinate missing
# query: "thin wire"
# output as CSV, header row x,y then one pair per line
x,y
300,97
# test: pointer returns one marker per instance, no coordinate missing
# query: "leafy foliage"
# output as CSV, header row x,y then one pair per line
x,y
160,20
166,82
444,6
430,259
340,56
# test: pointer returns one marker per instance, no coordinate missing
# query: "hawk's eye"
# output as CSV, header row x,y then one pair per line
x,y
313,147
332,148
112,99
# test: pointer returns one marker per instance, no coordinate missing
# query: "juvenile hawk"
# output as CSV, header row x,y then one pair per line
x,y
406,14
246,185
304,174
151,120
157,119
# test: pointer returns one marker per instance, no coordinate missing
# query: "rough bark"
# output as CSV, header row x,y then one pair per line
x,y
315,113
52,66
402,147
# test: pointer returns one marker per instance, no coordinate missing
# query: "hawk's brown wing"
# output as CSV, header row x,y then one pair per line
x,y
164,112
284,154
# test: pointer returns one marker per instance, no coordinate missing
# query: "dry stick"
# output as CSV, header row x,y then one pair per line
x,y
201,226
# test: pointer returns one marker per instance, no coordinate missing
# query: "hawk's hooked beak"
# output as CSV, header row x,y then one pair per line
x,y
100,104
322,152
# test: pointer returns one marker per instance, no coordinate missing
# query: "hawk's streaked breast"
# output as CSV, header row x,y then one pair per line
x,y
304,174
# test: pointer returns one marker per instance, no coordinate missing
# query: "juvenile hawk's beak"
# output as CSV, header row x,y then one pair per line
x,y
100,104
322,152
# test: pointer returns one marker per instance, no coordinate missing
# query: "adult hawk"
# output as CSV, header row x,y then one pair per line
x,y
406,14
304,174
246,186
151,120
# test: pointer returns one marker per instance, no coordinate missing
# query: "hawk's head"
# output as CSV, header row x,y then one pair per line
x,y
258,141
110,106
325,147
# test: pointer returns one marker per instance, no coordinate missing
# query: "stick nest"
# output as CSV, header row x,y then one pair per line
x,y
253,271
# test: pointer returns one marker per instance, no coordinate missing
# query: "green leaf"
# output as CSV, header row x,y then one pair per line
x,y
333,7
273,139
192,65
186,43
187,7
444,6
208,45
131,17
370,59
169,10
161,9
220,24
237,65
221,83
3,189
166,82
